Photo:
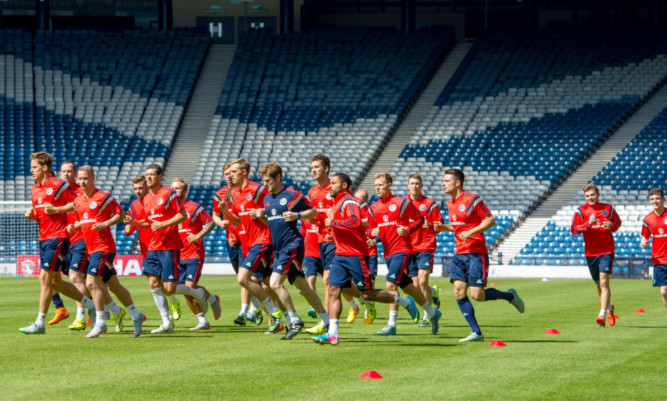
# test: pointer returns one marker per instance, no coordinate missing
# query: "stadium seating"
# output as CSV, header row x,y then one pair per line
x,y
522,111
112,99
333,91
624,182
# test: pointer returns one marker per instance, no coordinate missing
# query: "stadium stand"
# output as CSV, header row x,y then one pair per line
x,y
328,91
624,183
112,99
523,111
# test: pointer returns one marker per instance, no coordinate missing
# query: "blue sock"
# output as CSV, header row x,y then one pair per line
x,y
469,314
492,294
57,302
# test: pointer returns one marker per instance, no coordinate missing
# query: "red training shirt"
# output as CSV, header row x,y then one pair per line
x,y
597,239
467,212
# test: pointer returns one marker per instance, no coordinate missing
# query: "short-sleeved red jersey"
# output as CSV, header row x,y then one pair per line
x,y
656,225
467,212
388,213
251,197
56,192
348,232
137,212
237,233
162,206
310,233
423,239
75,236
321,200
597,239
197,219
99,207
366,214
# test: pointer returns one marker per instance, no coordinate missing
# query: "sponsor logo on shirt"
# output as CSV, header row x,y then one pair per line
x,y
320,205
661,230
85,215
39,200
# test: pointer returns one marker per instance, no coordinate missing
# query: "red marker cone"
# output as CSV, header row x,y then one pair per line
x,y
640,310
552,331
497,343
616,317
371,374
493,284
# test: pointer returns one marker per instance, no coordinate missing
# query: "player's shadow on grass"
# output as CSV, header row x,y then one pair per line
x,y
540,341
647,327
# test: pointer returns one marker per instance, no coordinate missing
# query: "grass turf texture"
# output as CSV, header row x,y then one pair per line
x,y
231,362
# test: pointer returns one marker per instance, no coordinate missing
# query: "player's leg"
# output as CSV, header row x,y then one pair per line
x,y
195,307
60,312
189,271
663,293
339,278
152,269
458,270
94,285
311,266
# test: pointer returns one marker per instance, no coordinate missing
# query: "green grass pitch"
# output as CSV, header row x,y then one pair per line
x,y
584,362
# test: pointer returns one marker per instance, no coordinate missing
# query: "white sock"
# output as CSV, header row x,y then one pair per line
x,y
288,319
294,317
325,317
183,289
115,309
244,309
404,302
603,313
99,318
353,305
270,306
429,309
87,302
392,318
202,318
81,313
333,327
41,317
134,312
161,302
255,302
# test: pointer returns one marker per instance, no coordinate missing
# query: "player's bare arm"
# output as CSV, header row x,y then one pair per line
x,y
486,224
178,218
206,230
115,219
50,209
292,216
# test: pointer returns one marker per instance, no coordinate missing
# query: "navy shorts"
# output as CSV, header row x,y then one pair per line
x,y
288,262
101,264
398,269
258,260
190,270
75,259
312,265
422,260
356,268
600,264
327,253
473,268
659,275
235,255
373,265
163,264
52,253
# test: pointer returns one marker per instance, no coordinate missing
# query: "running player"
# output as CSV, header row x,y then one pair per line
x,y
597,221
394,220
370,313
192,231
655,224
48,195
350,265
469,218
238,206
237,249
96,212
164,212
283,206
74,259
320,198
136,219
423,240
312,262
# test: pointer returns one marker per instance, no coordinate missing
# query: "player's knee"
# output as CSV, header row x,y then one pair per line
x,y
480,297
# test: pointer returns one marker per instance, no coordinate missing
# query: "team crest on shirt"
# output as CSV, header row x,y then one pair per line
x,y
248,197
93,205
461,208
385,218
49,191
85,215
160,202
283,201
604,213
392,208
273,212
422,207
